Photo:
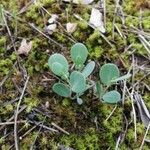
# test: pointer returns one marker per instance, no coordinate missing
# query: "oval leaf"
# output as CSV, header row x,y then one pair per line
x,y
78,82
58,64
79,101
88,69
122,78
57,68
62,89
79,54
108,72
99,89
111,97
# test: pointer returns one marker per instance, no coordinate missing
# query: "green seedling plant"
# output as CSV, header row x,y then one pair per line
x,y
109,74
72,84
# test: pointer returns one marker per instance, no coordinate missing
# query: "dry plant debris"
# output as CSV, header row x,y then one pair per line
x,y
25,47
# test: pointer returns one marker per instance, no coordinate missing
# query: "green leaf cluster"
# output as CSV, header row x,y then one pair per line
x,y
109,74
77,81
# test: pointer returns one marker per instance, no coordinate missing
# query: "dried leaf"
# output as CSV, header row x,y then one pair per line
x,y
62,147
71,27
67,0
143,111
24,47
96,20
85,2
52,24
51,28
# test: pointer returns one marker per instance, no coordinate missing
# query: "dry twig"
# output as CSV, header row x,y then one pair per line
x,y
16,115
141,147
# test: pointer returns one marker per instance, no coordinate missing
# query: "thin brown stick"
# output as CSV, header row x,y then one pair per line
x,y
141,147
59,128
43,126
12,122
38,30
32,145
16,115
111,113
10,119
26,133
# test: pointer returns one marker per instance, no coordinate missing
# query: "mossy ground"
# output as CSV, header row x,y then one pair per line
x,y
87,124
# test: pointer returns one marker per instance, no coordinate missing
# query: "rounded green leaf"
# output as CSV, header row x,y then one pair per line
x,y
62,89
58,65
77,82
57,68
112,97
108,72
88,69
79,54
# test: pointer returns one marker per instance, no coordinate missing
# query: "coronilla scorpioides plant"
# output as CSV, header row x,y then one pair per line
x,y
109,74
72,84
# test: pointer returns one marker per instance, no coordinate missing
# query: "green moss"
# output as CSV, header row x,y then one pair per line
x,y
132,21
146,99
146,13
97,52
30,70
32,13
121,42
9,108
131,138
36,60
60,38
112,52
94,36
13,56
82,25
2,40
88,140
129,7
31,103
109,27
1,15
5,146
5,66
131,38
65,112
2,140
86,15
66,102
140,49
28,140
2,45
47,3
112,126
146,23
